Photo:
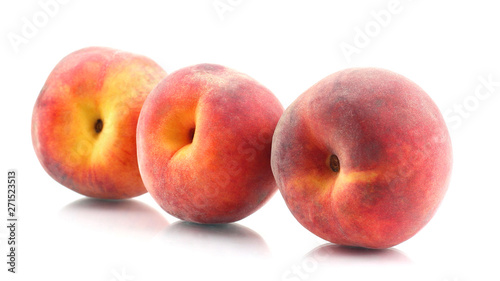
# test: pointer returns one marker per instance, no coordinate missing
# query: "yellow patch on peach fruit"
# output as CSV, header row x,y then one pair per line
x,y
358,177
314,182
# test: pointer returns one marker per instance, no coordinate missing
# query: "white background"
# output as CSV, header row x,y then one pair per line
x,y
445,47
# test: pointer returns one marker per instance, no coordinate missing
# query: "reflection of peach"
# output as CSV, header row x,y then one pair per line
x,y
220,239
84,121
336,254
112,216
329,259
204,144
363,158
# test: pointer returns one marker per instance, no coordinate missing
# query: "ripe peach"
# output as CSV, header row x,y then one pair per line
x,y
363,158
84,121
204,144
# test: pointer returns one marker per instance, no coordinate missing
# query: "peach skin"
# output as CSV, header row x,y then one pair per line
x,y
362,158
85,119
204,144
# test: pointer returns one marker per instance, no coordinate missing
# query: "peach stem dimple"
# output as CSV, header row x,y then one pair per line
x,y
334,163
191,135
98,126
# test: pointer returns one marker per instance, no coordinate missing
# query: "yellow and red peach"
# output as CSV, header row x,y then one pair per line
x,y
85,118
204,144
362,158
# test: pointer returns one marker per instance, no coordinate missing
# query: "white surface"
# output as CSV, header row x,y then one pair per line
x,y
444,47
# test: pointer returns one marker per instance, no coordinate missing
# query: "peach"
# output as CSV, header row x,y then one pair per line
x,y
204,144
362,158
85,119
